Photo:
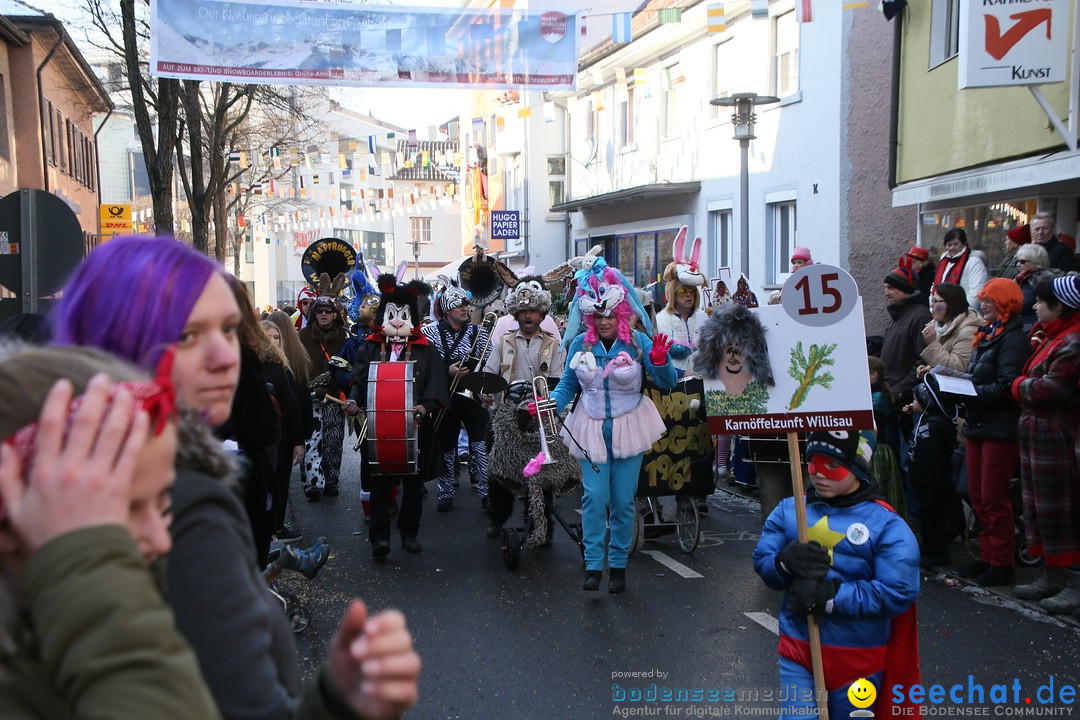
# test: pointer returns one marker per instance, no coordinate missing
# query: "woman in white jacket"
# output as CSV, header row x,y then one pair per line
x,y
958,265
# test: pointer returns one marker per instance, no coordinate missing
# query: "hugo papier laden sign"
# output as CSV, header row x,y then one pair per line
x,y
505,224
794,367
1013,42
681,460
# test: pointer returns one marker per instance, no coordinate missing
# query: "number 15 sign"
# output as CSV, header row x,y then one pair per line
x,y
816,351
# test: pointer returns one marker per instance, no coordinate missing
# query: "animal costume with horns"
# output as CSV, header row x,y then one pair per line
x,y
682,275
613,425
397,338
519,357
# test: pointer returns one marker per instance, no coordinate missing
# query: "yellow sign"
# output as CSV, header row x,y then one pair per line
x,y
115,220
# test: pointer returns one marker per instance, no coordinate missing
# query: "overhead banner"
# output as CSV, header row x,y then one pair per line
x,y
296,43
1013,42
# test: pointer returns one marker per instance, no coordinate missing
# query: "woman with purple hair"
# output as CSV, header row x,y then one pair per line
x,y
135,297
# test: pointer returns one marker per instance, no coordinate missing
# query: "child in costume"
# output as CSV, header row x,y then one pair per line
x,y
858,575
613,423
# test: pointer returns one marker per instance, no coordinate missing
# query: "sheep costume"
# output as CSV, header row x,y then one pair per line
x,y
613,424
517,434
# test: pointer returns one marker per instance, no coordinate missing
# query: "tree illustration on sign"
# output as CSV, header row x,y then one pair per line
x,y
808,370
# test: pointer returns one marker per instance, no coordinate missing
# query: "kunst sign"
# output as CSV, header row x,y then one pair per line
x,y
1013,42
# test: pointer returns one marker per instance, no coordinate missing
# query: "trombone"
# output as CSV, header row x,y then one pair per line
x,y
545,414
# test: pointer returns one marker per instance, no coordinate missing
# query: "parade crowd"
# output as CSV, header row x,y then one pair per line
x,y
154,421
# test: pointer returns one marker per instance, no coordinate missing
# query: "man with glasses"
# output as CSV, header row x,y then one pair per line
x,y
323,337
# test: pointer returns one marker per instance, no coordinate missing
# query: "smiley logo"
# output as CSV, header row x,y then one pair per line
x,y
862,693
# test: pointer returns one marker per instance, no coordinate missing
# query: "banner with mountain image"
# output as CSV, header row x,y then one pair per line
x,y
294,43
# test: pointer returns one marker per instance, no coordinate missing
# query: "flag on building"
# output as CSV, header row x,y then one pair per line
x,y
371,144
243,160
234,157
716,21
892,8
804,11
524,112
620,27
759,9
641,77
669,15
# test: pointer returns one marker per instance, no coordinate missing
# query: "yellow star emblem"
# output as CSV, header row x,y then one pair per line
x,y
826,538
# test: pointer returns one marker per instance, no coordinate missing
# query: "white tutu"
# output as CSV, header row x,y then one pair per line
x,y
631,434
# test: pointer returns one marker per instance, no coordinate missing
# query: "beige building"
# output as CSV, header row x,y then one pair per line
x,y
984,159
48,98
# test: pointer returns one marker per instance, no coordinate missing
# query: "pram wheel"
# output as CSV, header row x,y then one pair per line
x,y
511,548
687,524
299,617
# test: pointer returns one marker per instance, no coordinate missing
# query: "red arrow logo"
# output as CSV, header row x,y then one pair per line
x,y
999,45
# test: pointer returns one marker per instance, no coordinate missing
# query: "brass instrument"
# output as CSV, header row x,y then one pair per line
x,y
471,361
545,413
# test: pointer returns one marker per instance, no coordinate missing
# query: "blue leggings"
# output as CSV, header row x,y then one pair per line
x,y
797,693
614,486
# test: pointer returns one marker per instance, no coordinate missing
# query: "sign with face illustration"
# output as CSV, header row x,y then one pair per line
x,y
794,367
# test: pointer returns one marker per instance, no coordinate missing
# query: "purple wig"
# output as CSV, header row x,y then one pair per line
x,y
132,297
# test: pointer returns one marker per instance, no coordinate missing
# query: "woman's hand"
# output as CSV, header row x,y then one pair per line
x,y
80,481
929,333
372,663
659,353
298,454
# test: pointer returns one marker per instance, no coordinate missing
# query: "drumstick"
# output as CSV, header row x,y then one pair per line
x,y
330,398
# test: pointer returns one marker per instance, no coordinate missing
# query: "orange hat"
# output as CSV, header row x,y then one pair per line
x,y
1004,293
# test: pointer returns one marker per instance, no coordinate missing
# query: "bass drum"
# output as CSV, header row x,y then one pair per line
x,y
392,442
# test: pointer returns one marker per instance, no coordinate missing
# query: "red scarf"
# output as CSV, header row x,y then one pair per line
x,y
1053,335
954,266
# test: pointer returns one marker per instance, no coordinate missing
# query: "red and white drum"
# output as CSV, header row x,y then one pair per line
x,y
392,442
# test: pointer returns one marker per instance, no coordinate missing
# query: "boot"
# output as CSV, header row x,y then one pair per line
x,y
1050,583
592,581
616,581
1067,600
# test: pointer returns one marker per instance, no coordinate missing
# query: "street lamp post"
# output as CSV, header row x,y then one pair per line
x,y
742,118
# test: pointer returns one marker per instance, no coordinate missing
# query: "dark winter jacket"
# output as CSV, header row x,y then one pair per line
x,y
995,363
902,344
321,346
282,386
104,643
1061,255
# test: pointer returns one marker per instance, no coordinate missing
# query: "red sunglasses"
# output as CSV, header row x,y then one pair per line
x,y
819,465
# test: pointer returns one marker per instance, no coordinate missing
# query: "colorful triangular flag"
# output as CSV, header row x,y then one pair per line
x,y
621,31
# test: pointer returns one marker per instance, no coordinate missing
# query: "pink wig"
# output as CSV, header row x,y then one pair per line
x,y
623,311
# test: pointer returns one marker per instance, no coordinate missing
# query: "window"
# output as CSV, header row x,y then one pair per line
x,y
786,54
420,230
626,119
556,172
61,148
720,224
249,250
780,229
944,31
51,122
722,65
669,101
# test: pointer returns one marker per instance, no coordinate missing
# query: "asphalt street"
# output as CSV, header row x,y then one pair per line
x,y
530,644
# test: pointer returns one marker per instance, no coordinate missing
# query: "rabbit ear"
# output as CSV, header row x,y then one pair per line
x,y
695,252
401,268
374,270
677,247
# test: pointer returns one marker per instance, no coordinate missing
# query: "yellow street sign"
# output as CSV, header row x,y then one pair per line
x,y
115,220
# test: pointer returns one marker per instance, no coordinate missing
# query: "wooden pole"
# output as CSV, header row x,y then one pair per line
x,y
814,633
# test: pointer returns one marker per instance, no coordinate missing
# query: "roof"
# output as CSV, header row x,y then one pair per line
x,y
29,19
436,171
629,195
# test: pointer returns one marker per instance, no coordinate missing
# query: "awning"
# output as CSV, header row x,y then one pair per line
x,y
1051,174
654,191
449,269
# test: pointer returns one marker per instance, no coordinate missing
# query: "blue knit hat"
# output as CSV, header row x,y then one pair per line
x,y
850,448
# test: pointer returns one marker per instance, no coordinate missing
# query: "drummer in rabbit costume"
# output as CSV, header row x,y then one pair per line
x,y
683,317
613,423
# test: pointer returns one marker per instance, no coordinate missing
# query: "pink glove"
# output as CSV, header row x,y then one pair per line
x,y
661,343
534,466
532,409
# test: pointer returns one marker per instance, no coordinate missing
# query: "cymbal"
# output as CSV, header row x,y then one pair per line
x,y
483,382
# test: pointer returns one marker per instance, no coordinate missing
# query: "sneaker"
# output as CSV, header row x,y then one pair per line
x,y
996,575
288,535
312,493
306,562
380,549
411,545
1066,601
973,569
444,505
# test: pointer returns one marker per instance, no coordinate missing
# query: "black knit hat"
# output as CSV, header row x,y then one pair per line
x,y
850,448
902,279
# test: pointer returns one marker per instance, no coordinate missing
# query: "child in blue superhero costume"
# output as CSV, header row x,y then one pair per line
x,y
613,423
858,575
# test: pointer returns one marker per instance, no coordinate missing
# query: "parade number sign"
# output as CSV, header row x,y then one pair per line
x,y
815,347
681,460
1013,43
307,43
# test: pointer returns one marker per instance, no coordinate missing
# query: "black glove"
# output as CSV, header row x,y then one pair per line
x,y
803,560
807,595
